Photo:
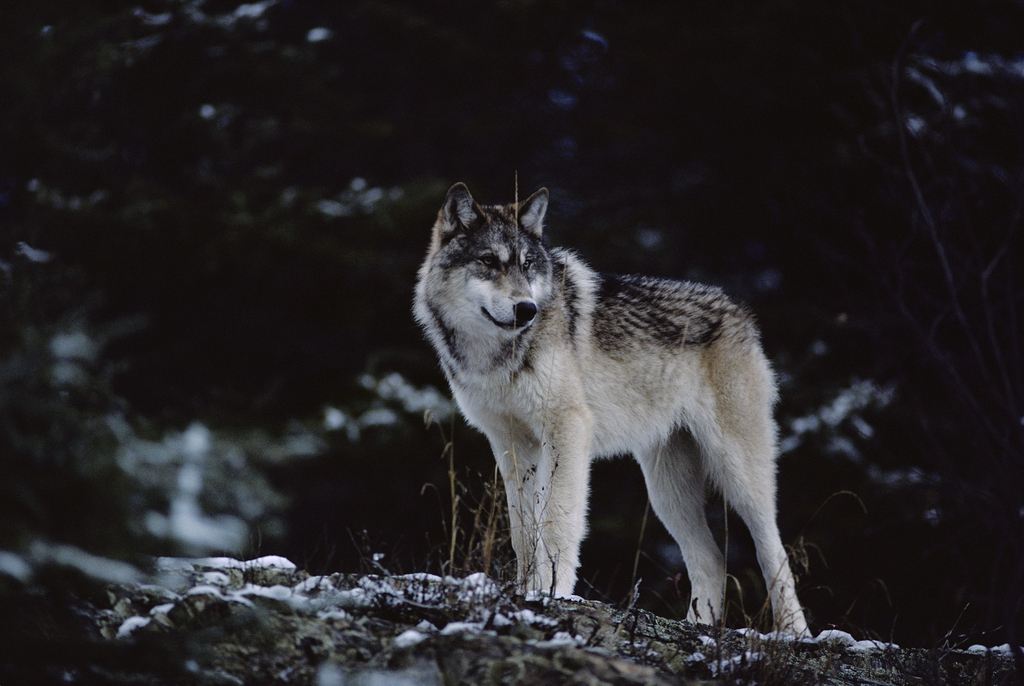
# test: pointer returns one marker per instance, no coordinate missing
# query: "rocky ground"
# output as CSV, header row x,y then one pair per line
x,y
266,622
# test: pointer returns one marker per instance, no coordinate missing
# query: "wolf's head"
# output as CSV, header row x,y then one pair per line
x,y
487,268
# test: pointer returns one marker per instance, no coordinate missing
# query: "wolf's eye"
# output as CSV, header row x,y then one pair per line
x,y
527,263
489,261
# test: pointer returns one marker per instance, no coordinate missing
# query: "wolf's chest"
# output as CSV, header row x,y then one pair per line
x,y
490,403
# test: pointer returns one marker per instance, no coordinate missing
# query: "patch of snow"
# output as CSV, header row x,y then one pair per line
x,y
319,34
528,616
205,589
333,208
271,562
188,524
560,640
862,427
871,646
462,628
358,197
100,568
161,609
1004,649
407,639
974,64
928,84
595,37
253,10
836,636
352,598
571,597
313,583
334,419
148,19
897,478
15,566
538,597
330,675
229,596
499,620
31,254
786,637
421,576
395,387
379,416
915,125
283,594
859,395
729,665
131,625
195,442
562,99
748,632
187,563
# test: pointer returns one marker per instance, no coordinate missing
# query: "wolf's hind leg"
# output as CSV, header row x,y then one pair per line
x,y
675,485
740,454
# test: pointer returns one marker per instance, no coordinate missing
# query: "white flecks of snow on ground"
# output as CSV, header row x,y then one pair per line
x,y
408,638
834,637
130,625
180,564
1004,649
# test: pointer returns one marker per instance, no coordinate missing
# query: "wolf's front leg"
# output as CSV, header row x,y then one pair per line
x,y
518,467
562,493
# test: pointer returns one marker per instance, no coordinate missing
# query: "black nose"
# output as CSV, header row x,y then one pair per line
x,y
525,312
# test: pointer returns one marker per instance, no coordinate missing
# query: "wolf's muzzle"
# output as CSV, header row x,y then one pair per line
x,y
524,311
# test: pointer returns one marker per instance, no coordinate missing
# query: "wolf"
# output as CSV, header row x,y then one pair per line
x,y
559,365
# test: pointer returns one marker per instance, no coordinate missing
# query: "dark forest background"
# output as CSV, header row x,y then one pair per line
x,y
211,216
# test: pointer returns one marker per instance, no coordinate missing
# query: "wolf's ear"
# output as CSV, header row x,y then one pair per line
x,y
531,212
460,211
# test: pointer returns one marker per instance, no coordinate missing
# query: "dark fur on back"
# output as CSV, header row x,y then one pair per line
x,y
664,312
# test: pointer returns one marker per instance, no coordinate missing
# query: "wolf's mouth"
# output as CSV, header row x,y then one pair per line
x,y
508,326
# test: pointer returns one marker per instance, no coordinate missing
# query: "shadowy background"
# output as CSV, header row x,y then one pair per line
x,y
211,216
